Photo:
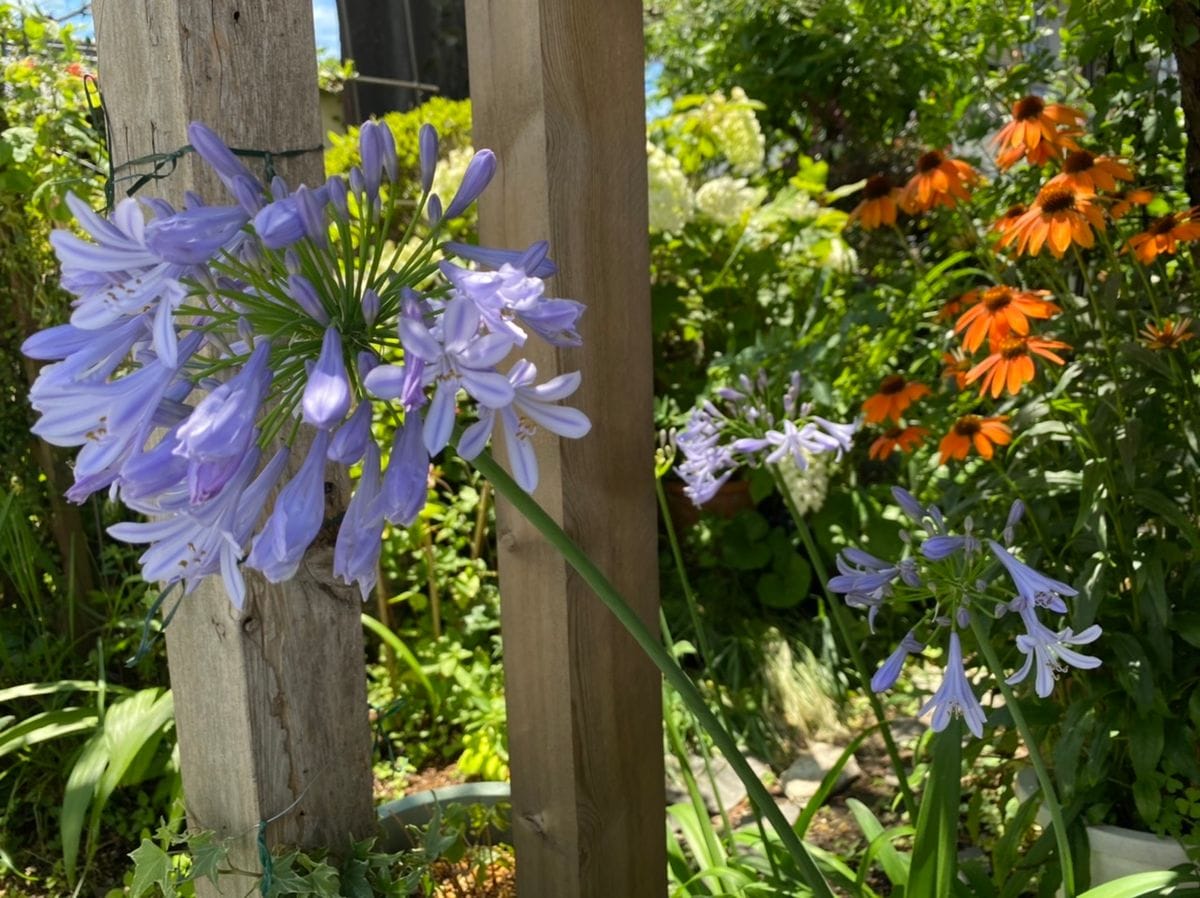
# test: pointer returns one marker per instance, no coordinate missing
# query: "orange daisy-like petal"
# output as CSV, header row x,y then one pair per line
x,y
1127,200
981,433
903,438
1060,216
1038,132
1010,365
1001,310
939,181
894,396
1168,335
1165,234
879,204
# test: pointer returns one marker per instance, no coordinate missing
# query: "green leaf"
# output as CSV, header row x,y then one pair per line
x,y
935,846
1146,745
895,865
45,726
1148,798
208,855
1140,884
151,867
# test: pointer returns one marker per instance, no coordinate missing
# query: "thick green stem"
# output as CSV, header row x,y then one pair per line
x,y
657,653
1049,796
860,666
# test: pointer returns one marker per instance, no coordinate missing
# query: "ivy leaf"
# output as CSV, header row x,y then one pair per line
x,y
151,866
207,855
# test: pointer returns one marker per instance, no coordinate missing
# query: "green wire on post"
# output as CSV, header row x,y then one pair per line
x,y
657,653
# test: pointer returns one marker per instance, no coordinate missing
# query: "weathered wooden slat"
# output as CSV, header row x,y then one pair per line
x,y
557,92
270,703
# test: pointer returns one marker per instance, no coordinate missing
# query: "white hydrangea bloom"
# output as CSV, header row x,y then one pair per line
x,y
735,129
671,201
726,200
808,487
841,257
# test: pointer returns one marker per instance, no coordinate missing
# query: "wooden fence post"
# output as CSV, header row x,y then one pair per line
x,y
557,92
270,704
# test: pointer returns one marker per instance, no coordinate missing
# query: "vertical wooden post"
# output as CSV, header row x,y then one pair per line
x,y
557,90
270,704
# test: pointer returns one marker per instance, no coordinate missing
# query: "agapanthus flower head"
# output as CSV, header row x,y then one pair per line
x,y
202,338
755,428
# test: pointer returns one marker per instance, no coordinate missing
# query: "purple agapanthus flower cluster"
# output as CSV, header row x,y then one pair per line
x,y
753,426
958,571
219,355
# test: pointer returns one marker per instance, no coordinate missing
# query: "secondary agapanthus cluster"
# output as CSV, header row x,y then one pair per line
x,y
755,424
216,353
955,579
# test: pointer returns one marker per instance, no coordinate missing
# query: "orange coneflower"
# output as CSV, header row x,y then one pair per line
x,y
1123,202
903,438
974,430
1034,131
1010,366
879,203
939,181
1010,217
1168,335
1088,173
1163,235
1061,215
894,396
956,364
1001,309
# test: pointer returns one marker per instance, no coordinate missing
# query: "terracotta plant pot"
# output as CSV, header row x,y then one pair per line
x,y
732,497
417,809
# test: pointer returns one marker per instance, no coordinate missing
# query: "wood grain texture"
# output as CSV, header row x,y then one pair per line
x,y
557,91
271,702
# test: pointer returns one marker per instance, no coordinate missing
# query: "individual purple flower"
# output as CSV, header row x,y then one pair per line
x,y
326,396
351,439
427,151
405,483
866,581
955,698
885,678
279,224
1050,652
1034,589
310,204
533,261
909,505
194,236
942,546
461,358
235,176
304,293
373,149
478,175
360,537
1015,513
296,518
508,297
191,541
532,407
221,429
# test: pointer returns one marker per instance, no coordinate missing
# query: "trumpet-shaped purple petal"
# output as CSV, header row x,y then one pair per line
x,y
532,261
955,698
1051,653
326,396
296,518
478,175
885,678
236,177
352,438
532,406
1034,589
405,483
360,537
427,147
